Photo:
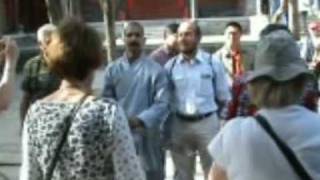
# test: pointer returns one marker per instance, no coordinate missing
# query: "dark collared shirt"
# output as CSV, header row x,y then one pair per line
x,y
38,81
162,55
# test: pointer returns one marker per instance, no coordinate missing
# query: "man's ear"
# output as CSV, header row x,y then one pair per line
x,y
144,40
199,39
165,34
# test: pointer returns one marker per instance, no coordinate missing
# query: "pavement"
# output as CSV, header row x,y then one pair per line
x,y
10,139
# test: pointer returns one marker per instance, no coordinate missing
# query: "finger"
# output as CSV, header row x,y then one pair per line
x,y
2,44
5,40
11,45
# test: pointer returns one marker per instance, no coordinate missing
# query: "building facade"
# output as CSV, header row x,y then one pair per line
x,y
30,14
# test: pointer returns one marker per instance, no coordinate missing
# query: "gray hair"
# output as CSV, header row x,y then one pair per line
x,y
45,31
127,25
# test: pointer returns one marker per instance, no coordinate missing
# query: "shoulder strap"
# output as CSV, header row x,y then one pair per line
x,y
171,73
172,66
68,120
285,149
213,74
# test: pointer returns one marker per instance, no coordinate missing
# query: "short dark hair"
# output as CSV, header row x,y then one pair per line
x,y
82,50
133,24
234,24
273,27
172,28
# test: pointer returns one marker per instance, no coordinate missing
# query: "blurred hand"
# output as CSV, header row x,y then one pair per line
x,y
136,123
9,51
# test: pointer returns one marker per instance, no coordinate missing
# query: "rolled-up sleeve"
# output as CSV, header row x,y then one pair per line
x,y
158,112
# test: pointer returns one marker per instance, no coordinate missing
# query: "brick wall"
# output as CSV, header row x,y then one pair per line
x,y
156,9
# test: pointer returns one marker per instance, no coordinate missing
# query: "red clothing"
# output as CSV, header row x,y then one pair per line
x,y
237,66
241,104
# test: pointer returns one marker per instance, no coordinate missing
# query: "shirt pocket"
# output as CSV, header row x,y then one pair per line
x,y
206,84
179,82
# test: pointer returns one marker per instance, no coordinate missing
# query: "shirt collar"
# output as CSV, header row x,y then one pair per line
x,y
126,61
199,57
226,51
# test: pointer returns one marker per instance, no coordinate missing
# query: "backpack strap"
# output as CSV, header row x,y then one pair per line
x,y
68,119
285,149
171,72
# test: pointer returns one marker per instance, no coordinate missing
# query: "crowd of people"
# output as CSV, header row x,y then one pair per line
x,y
245,114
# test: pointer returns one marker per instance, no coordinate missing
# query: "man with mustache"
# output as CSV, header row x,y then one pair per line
x,y
140,85
200,86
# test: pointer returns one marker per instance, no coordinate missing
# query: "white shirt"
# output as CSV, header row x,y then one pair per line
x,y
247,152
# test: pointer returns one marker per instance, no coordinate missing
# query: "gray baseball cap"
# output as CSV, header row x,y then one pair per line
x,y
278,57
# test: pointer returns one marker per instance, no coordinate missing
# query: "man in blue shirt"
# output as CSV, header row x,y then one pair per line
x,y
140,85
199,84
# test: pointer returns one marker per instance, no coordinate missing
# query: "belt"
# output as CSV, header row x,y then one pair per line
x,y
193,117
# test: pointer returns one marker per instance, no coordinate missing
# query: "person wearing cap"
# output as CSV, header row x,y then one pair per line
x,y
38,81
276,86
9,53
199,89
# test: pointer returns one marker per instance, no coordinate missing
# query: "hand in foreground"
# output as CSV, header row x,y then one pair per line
x,y
9,51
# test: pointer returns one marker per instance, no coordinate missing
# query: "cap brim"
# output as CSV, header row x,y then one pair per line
x,y
279,74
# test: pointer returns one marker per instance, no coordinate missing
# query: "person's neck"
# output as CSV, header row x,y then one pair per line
x,y
133,56
76,86
235,48
190,55
171,50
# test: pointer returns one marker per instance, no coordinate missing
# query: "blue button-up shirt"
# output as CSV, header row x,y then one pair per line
x,y
141,88
198,84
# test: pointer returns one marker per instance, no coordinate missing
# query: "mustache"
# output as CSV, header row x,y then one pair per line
x,y
134,43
